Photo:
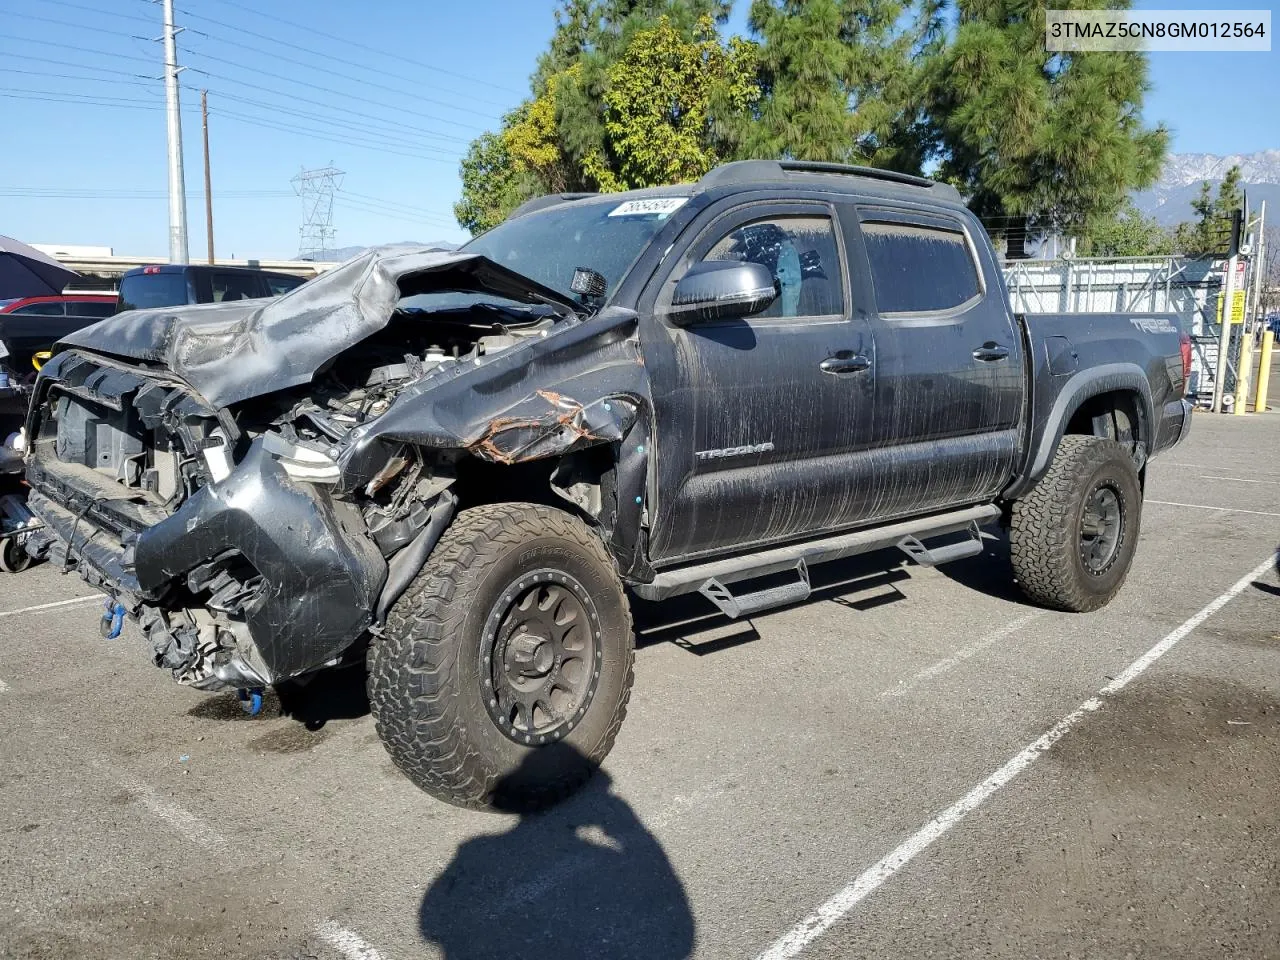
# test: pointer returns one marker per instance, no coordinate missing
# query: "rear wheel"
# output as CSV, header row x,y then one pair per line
x,y
1072,538
505,669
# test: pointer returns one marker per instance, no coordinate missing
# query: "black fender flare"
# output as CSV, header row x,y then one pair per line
x,y
1106,378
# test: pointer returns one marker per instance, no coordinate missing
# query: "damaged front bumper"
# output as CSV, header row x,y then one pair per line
x,y
251,580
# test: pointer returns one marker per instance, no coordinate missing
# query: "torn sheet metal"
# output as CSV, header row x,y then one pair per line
x,y
520,404
230,352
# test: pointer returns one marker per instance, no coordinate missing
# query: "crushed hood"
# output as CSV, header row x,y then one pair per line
x,y
229,352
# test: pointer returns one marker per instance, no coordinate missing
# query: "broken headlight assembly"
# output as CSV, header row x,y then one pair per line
x,y
308,462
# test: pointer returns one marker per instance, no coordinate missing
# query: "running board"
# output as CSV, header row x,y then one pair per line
x,y
927,556
718,573
743,605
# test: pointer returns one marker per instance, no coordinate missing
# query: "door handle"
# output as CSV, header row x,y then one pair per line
x,y
842,364
990,352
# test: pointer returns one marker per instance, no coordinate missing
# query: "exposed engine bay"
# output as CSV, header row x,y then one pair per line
x,y
258,539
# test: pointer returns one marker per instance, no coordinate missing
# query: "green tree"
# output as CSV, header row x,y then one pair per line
x,y
659,101
491,186
1210,232
836,82
1055,138
1126,234
621,100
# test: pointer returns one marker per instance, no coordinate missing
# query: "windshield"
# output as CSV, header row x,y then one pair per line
x,y
548,246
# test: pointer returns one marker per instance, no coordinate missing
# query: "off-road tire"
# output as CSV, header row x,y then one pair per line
x,y
425,683
1045,532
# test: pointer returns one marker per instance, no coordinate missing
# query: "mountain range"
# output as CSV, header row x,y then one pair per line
x,y
342,254
1169,200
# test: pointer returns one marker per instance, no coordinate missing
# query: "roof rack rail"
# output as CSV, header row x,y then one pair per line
x,y
549,200
741,171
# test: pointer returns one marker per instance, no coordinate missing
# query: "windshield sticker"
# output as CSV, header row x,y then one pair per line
x,y
662,206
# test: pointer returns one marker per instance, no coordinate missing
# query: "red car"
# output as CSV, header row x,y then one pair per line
x,y
31,324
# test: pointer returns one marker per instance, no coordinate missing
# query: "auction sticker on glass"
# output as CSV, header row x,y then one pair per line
x,y
1157,30
662,206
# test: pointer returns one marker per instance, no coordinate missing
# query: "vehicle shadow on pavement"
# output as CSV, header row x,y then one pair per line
x,y
991,572
583,879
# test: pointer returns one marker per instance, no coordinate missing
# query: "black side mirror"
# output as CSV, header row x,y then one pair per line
x,y
722,290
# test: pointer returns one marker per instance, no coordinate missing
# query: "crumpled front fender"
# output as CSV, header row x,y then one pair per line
x,y
580,385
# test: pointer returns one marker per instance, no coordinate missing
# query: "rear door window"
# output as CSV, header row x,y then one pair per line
x,y
279,283
919,269
90,308
235,286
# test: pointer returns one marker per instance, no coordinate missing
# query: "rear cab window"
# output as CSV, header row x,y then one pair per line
x,y
918,267
147,291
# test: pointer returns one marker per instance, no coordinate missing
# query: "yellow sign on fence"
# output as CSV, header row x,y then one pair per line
x,y
1237,307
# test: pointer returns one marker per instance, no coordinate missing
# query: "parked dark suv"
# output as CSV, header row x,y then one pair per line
x,y
461,462
171,285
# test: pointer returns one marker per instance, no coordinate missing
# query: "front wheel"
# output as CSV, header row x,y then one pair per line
x,y
1072,538
505,669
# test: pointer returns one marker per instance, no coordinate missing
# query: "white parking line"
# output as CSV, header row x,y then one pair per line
x,y
870,880
961,655
3,686
1205,506
1205,476
50,606
181,819
348,943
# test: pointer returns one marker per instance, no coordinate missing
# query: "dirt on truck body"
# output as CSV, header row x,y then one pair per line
x,y
455,463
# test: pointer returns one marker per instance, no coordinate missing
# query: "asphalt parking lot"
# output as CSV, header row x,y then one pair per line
x,y
915,763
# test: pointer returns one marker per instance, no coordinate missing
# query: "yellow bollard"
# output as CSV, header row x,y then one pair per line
x,y
1264,371
1241,405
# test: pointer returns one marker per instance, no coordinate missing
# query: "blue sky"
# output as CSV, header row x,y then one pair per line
x,y
388,91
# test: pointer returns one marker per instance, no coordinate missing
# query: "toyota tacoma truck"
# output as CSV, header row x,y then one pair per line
x,y
456,466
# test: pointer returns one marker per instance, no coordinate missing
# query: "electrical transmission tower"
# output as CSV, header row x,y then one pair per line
x,y
316,188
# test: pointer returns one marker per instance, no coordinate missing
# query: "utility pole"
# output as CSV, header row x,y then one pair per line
x,y
208,186
177,182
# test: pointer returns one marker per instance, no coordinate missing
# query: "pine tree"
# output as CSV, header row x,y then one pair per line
x,y
836,80
1056,138
1210,232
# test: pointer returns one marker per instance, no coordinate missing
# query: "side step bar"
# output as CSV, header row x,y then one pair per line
x,y
743,605
927,556
711,577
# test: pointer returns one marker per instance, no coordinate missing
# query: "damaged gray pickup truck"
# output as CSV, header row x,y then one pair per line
x,y
456,464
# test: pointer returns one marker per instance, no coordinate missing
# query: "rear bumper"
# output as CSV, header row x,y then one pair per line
x,y
1174,425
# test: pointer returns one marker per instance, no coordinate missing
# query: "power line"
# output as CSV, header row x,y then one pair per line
x,y
344,141
193,51
348,42
396,203
111,54
378,130
143,80
105,13
81,66
376,205
141,104
329,90
404,217
399,90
